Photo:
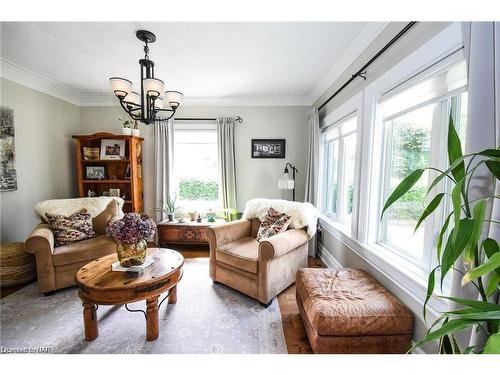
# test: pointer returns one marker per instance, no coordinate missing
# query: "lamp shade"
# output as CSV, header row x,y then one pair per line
x,y
152,86
132,98
286,183
120,86
174,98
159,103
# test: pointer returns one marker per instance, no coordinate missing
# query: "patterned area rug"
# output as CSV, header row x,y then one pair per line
x,y
207,318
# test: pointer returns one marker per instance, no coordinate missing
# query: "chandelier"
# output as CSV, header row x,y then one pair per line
x,y
149,106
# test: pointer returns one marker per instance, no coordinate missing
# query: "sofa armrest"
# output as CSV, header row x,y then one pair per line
x,y
282,243
40,241
219,235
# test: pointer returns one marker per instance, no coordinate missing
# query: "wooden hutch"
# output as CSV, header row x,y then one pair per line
x,y
122,168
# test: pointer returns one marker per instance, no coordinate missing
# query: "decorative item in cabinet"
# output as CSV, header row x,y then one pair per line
x,y
122,174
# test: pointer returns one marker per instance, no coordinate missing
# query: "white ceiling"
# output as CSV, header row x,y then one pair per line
x,y
226,63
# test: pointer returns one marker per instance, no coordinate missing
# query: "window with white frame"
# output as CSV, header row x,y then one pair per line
x,y
339,163
195,167
415,119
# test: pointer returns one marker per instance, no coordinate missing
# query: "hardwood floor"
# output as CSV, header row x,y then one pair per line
x,y
293,328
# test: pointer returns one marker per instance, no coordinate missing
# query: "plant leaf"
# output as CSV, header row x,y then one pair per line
x,y
491,152
456,200
448,327
490,265
441,235
479,305
478,216
479,315
494,167
493,284
453,249
492,345
430,289
455,151
490,247
402,188
429,209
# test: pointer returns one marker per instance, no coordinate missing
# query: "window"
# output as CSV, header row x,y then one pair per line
x,y
195,167
415,124
339,145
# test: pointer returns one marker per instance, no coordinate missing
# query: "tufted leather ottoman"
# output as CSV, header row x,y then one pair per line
x,y
346,310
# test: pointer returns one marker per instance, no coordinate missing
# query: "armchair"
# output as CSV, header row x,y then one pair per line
x,y
259,269
57,266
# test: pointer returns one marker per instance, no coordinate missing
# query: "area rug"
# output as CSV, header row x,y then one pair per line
x,y
207,318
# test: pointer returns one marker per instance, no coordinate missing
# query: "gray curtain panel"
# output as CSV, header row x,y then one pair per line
x,y
482,54
163,153
311,193
227,163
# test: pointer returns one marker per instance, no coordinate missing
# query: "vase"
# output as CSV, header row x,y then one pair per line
x,y
171,216
136,132
131,254
126,131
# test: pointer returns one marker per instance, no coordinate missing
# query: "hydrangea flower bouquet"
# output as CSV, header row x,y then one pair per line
x,y
130,234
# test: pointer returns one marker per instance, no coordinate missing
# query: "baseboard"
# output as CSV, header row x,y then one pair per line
x,y
327,258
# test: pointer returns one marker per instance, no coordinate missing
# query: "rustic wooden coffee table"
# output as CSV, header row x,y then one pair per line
x,y
101,286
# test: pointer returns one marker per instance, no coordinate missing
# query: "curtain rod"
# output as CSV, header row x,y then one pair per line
x,y
362,72
236,119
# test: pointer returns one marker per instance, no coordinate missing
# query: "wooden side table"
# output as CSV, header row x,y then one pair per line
x,y
99,285
187,233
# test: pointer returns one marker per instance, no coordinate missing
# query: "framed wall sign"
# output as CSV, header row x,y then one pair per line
x,y
268,148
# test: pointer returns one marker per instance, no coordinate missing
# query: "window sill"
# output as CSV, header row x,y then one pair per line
x,y
409,277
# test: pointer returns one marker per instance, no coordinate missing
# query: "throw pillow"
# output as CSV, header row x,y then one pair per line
x,y
101,221
273,223
70,229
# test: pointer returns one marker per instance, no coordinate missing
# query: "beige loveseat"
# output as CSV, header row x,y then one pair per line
x,y
57,266
258,269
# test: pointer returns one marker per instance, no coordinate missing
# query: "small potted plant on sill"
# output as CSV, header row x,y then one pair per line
x,y
169,208
130,234
126,126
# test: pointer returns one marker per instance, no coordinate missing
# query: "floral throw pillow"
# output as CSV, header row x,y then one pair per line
x,y
70,229
275,222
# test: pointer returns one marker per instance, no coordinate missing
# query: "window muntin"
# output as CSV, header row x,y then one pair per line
x,y
339,142
195,167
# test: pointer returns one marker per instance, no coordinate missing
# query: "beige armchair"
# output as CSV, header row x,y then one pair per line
x,y
259,269
57,266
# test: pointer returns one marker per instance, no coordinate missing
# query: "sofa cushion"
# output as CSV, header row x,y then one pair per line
x,y
101,221
87,250
70,229
350,302
242,254
272,223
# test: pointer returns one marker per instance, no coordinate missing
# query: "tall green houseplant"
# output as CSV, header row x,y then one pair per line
x,y
461,239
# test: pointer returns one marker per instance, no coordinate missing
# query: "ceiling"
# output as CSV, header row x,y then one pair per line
x,y
224,63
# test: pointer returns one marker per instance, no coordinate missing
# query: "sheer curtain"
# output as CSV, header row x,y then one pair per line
x,y
227,167
482,54
163,161
311,191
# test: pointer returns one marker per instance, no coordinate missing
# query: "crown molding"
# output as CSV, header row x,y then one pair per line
x,y
35,81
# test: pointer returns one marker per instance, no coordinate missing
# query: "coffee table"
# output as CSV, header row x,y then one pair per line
x,y
99,285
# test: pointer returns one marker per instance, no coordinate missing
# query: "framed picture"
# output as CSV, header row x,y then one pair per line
x,y
95,173
268,148
112,149
91,153
114,192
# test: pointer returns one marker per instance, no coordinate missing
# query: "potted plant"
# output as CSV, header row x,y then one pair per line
x,y
169,208
462,239
126,126
130,234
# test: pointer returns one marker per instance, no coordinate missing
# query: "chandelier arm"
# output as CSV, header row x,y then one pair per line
x,y
132,115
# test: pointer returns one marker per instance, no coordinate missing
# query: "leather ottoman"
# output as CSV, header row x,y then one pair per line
x,y
346,310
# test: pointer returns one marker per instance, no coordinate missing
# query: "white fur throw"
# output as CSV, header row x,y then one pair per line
x,y
67,207
303,214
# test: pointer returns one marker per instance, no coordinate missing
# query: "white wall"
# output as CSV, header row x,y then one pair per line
x,y
255,177
45,160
